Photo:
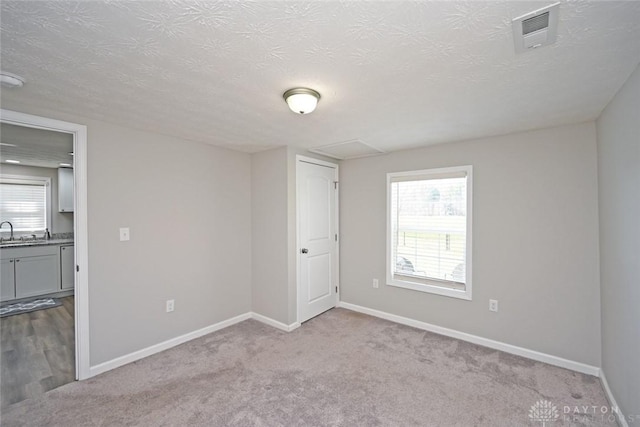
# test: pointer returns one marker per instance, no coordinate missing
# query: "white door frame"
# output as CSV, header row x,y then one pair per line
x,y
80,227
335,166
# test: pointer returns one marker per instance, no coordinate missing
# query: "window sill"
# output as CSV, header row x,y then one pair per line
x,y
433,289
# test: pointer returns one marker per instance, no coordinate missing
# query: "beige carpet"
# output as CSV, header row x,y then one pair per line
x,y
341,368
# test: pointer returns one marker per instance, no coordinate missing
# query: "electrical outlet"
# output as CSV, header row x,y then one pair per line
x,y
493,305
170,305
124,234
375,283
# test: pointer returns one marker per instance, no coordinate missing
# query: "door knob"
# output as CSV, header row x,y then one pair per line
x,y
304,250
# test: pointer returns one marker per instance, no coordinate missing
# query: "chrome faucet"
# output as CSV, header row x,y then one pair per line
x,y
10,225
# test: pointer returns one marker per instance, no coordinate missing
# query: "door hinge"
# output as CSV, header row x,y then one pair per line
x,y
336,237
336,289
335,185
77,268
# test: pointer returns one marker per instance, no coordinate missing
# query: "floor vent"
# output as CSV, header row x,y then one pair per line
x,y
536,29
347,150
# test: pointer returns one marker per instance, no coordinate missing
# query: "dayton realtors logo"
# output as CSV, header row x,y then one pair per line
x,y
544,412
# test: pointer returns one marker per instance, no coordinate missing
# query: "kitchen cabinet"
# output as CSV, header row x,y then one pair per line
x,y
67,267
36,275
28,272
65,190
7,280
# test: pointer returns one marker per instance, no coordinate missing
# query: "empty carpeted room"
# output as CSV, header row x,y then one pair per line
x,y
313,213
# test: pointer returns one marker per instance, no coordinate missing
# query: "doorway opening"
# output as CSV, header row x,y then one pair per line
x,y
44,254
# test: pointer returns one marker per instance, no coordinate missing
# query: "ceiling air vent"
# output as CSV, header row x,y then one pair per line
x,y
536,29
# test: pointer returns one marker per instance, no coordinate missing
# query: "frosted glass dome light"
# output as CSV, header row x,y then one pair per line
x,y
301,100
10,80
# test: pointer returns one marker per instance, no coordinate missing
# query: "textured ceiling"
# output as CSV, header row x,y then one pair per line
x,y
392,74
35,147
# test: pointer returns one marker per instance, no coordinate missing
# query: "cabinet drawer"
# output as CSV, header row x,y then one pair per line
x,y
7,253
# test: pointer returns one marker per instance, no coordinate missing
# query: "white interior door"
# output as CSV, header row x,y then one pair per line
x,y
317,237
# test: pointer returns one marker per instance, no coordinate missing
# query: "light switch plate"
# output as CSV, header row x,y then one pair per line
x,y
124,234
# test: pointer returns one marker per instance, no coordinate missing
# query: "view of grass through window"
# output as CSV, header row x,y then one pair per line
x,y
428,219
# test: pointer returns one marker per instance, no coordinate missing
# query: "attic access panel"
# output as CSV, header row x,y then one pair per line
x,y
347,150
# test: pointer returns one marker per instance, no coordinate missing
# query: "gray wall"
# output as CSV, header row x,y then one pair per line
x,y
535,240
273,207
269,229
619,191
192,213
189,209
62,222
188,206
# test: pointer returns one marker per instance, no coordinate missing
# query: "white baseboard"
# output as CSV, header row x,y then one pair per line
x,y
165,345
269,321
622,421
497,345
508,348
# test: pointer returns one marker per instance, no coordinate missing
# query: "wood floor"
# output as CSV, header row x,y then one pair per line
x,y
37,352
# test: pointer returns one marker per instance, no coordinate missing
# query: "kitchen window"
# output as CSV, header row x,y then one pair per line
x,y
429,230
26,203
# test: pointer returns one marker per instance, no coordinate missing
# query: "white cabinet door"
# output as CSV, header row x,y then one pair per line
x,y
7,280
36,275
65,190
67,267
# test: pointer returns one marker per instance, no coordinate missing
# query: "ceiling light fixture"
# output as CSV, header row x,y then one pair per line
x,y
10,80
12,161
301,100
68,165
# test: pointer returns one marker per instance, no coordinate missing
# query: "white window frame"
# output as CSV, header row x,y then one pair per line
x,y
38,180
433,286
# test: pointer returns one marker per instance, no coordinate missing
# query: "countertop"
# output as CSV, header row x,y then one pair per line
x,y
19,244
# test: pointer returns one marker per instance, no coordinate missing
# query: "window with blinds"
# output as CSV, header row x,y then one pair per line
x,y
429,231
23,202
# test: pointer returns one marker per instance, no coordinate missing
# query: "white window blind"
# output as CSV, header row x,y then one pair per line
x,y
428,226
24,205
